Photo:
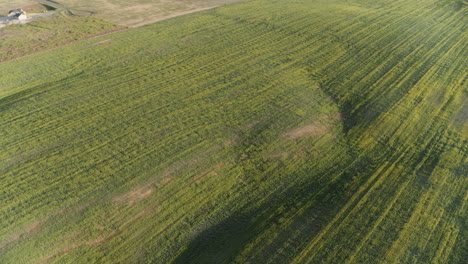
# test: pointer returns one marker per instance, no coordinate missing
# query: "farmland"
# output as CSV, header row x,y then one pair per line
x,y
140,12
71,21
50,32
258,132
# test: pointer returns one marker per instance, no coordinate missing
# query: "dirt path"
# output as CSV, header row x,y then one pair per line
x,y
154,20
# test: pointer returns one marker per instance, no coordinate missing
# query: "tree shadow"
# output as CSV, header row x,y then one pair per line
x,y
226,241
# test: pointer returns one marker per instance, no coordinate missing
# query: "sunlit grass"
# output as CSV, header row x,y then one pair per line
x,y
261,132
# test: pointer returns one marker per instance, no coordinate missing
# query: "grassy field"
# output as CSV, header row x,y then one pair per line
x,y
141,12
259,132
80,20
50,32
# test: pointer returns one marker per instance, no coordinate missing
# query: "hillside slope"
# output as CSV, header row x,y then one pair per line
x,y
260,132
141,12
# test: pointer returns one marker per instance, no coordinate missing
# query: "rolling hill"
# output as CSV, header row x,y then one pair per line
x,y
285,131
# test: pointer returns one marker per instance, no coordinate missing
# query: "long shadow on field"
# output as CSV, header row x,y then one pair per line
x,y
318,201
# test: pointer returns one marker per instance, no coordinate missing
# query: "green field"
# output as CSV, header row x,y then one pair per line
x,y
50,32
286,131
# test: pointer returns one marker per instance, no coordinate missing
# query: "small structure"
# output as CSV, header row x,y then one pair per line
x,y
19,14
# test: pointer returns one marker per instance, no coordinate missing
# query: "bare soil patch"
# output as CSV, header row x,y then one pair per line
x,y
108,4
135,195
320,127
7,5
251,125
306,131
